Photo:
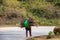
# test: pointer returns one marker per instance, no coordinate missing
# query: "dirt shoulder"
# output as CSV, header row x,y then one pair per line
x,y
44,38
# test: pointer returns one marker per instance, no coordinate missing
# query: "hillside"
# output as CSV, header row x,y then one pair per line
x,y
44,12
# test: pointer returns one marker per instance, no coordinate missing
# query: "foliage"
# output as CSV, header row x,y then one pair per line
x,y
49,35
56,31
13,15
57,4
38,12
1,2
49,0
44,12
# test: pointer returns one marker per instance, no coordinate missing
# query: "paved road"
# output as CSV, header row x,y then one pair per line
x,y
16,33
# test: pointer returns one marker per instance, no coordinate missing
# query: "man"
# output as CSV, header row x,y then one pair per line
x,y
27,24
31,22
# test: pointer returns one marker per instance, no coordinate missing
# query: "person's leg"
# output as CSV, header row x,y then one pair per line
x,y
30,32
26,32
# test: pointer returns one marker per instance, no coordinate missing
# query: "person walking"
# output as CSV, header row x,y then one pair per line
x,y
27,23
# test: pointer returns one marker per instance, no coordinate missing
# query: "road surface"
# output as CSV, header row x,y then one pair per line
x,y
16,33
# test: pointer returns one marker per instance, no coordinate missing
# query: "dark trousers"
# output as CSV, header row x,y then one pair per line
x,y
28,29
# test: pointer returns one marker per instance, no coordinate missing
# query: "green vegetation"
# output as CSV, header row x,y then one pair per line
x,y
49,35
56,31
44,12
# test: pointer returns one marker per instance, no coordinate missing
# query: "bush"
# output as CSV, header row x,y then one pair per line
x,y
49,35
1,1
56,14
38,12
56,31
44,13
57,4
23,0
9,17
51,16
1,15
48,16
49,0
13,15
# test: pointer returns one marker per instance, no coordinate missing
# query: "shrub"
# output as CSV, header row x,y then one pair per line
x,y
1,15
23,0
8,17
38,12
44,13
49,0
57,4
49,35
50,16
56,31
13,15
1,1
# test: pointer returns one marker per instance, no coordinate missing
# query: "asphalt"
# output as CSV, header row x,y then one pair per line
x,y
17,33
